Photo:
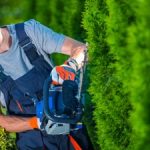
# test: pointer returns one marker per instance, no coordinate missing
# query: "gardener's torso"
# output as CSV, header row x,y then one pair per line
x,y
25,69
15,62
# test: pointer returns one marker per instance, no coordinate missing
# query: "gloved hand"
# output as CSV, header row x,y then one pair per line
x,y
61,73
34,123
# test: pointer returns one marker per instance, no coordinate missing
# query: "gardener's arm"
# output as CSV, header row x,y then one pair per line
x,y
68,70
17,124
49,41
74,48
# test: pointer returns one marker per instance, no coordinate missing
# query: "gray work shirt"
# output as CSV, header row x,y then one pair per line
x,y
15,62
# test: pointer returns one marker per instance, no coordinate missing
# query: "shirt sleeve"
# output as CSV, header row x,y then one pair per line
x,y
48,40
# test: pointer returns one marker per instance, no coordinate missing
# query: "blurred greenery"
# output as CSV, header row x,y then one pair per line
x,y
117,100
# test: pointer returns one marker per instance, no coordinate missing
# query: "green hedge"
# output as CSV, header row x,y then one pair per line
x,y
118,35
6,141
106,88
139,35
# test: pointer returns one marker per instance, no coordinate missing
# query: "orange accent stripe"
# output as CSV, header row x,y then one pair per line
x,y
19,106
74,143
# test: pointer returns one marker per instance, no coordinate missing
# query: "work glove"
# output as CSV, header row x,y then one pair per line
x,y
35,123
68,70
61,73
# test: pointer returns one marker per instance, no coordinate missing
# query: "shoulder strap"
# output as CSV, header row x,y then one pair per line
x,y
3,77
25,42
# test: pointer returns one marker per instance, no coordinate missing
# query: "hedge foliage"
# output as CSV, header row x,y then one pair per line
x,y
108,97
7,140
118,35
139,46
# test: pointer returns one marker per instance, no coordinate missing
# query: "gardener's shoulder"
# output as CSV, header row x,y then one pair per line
x,y
34,29
32,24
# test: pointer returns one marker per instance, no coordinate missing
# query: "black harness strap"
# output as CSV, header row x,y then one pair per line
x,y
31,52
26,43
3,77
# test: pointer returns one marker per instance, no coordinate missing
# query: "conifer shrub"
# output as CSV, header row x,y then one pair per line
x,y
118,35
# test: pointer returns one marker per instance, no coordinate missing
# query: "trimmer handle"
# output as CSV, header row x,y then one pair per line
x,y
52,116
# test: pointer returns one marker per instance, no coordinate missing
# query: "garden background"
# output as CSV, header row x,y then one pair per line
x,y
117,105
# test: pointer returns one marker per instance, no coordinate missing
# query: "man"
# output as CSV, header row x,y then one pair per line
x,y
24,65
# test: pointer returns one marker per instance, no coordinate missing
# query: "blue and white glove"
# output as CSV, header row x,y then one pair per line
x,y
61,73
68,70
